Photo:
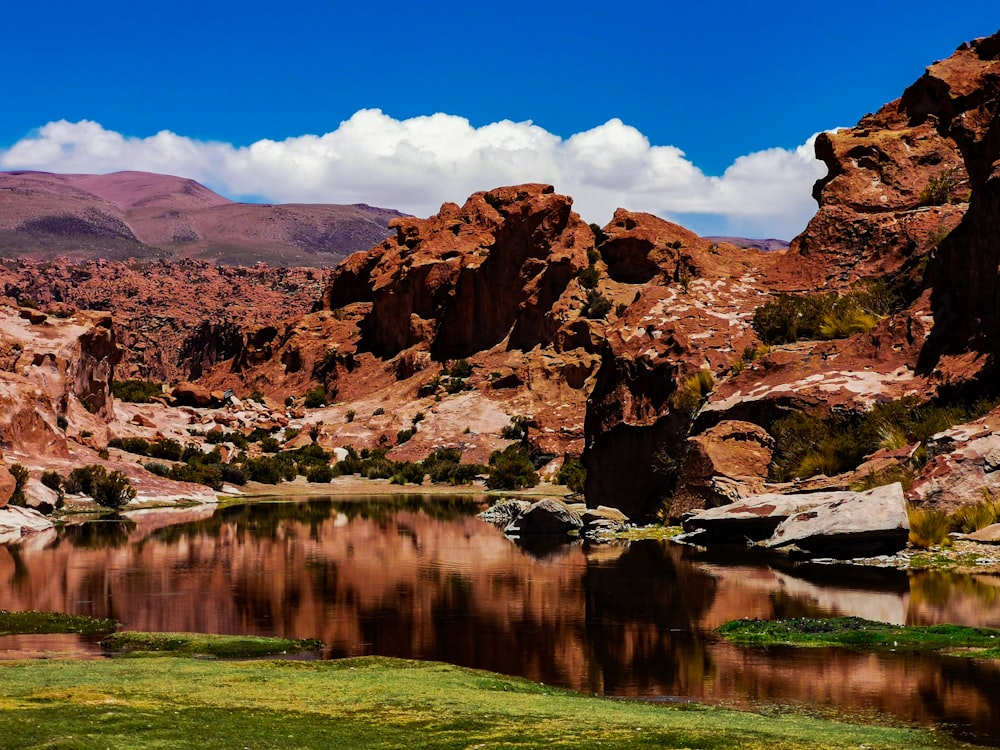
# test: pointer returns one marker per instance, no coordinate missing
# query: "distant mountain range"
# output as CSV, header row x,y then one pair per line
x,y
144,216
768,245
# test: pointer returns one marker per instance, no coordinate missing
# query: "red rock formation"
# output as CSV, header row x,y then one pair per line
x,y
468,278
175,318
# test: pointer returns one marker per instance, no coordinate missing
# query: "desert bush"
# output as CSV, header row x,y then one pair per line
x,y
976,516
937,191
137,445
693,392
216,437
115,491
320,474
61,422
511,469
315,398
403,435
20,474
209,475
350,415
270,445
53,480
589,277
269,470
572,474
82,479
418,417
379,411
790,317
408,472
155,467
460,369
136,391
166,448
597,305
928,528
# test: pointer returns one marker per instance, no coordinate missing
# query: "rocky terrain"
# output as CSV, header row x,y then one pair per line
x,y
148,216
681,369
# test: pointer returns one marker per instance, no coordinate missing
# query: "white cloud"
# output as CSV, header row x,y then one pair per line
x,y
415,165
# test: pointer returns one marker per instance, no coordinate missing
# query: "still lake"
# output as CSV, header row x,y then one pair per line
x,y
423,578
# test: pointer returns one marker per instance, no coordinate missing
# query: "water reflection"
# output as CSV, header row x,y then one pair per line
x,y
408,577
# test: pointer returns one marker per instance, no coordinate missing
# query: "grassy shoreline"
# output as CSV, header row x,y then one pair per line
x,y
864,635
373,702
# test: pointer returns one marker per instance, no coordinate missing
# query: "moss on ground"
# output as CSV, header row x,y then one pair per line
x,y
203,644
864,635
17,623
371,702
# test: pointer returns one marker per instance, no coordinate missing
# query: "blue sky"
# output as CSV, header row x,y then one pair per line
x,y
700,84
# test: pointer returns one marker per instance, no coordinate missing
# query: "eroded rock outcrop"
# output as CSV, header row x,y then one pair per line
x,y
468,278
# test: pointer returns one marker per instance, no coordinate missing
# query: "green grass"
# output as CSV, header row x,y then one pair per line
x,y
17,623
371,703
864,635
203,644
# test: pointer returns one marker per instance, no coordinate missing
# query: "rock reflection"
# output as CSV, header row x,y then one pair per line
x,y
425,579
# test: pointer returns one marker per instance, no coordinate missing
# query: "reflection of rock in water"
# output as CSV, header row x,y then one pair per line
x,y
642,613
541,546
107,532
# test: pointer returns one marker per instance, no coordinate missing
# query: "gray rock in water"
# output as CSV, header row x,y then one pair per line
x,y
503,512
752,519
864,524
547,516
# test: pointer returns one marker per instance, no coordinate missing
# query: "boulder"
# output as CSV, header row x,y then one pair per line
x,y
602,521
753,519
504,511
546,516
987,535
7,486
189,394
723,464
861,525
15,522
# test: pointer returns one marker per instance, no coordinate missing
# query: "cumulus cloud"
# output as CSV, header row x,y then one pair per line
x,y
414,165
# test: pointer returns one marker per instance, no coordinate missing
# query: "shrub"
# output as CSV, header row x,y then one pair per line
x,y
937,191
291,433
82,479
461,369
597,305
268,470
692,394
418,417
572,474
403,435
511,469
790,317
137,445
270,445
455,385
155,467
167,449
621,309
216,437
112,490
315,398
379,411
589,277
257,396
20,475
517,429
53,480
208,474
928,528
136,391
970,518
350,415
408,472
320,473
61,422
